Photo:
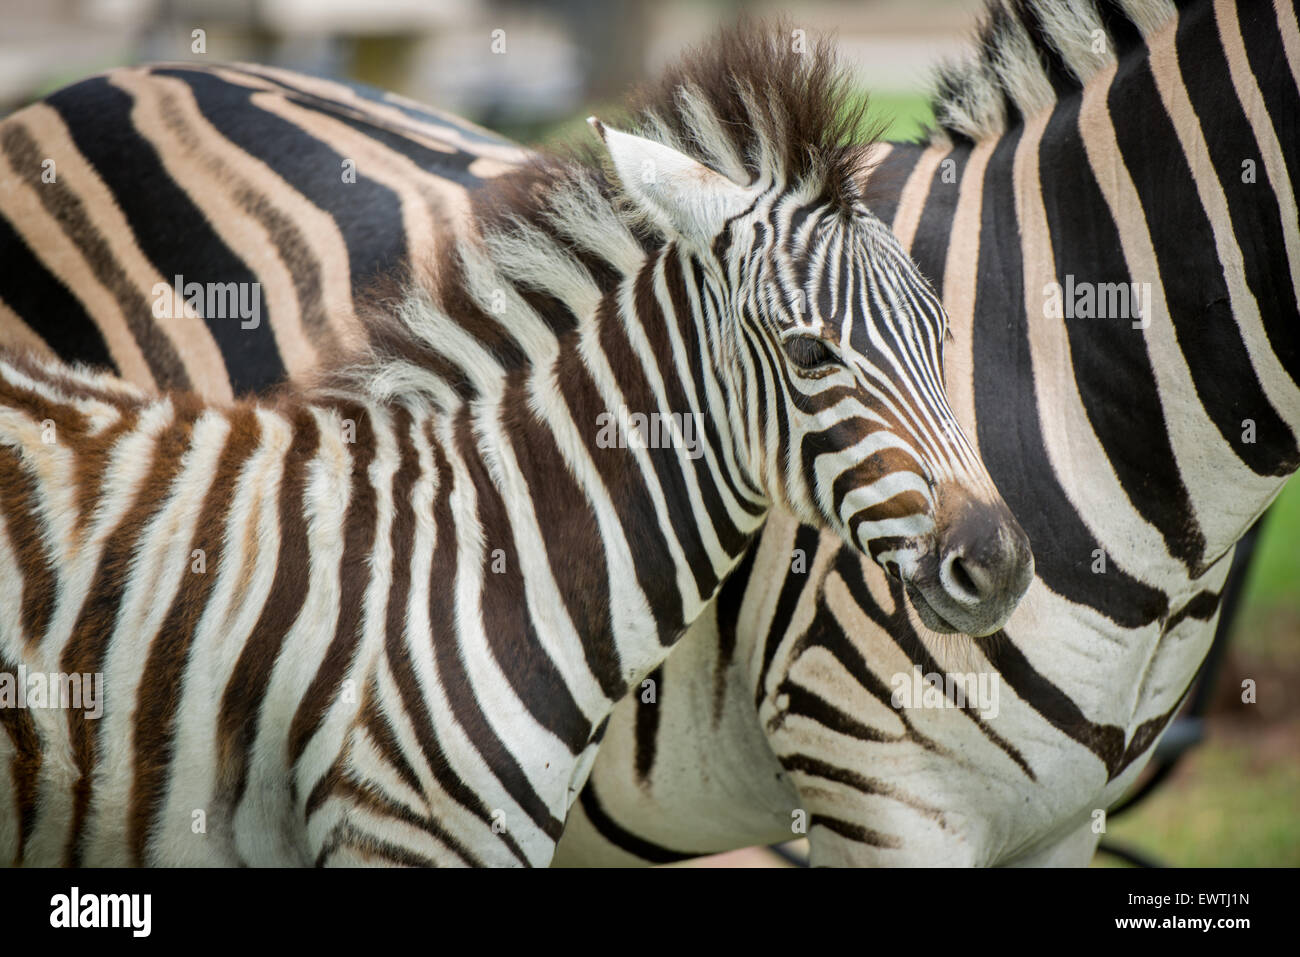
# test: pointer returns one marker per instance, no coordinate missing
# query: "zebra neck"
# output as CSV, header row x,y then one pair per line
x,y
576,435
1149,384
1176,165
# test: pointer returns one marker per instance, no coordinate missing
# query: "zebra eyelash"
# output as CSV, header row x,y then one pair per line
x,y
809,353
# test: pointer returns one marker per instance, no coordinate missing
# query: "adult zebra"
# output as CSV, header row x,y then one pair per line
x,y
1078,725
260,584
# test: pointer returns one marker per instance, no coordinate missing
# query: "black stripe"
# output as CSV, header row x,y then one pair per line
x,y
1056,707
395,648
360,526
24,767
244,696
621,838
627,488
170,230
727,609
888,177
729,536
1191,275
934,229
368,214
792,585
385,99
67,209
1123,32
347,836
1112,369
675,277
855,832
1256,220
640,398
567,531
1010,434
808,704
1277,85
1058,74
505,615
646,725
46,305
450,665
899,628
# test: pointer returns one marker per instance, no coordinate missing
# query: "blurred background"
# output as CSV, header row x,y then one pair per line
x,y
522,68
531,71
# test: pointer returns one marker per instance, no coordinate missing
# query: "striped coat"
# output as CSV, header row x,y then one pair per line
x,y
343,624
1077,724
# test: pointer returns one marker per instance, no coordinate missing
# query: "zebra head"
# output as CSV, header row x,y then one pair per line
x,y
830,340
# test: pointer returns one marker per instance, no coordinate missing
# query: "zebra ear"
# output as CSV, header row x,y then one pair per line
x,y
680,194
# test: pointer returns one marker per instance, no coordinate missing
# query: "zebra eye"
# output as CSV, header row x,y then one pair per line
x,y
808,352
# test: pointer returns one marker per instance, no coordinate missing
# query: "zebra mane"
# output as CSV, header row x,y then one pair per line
x,y
755,103
763,101
1028,52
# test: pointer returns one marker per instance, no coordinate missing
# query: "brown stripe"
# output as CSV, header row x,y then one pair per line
x,y
380,729
855,832
93,456
395,649
96,622
158,699
75,383
192,340
359,530
68,421
241,704
98,316
25,770
72,427
347,837
339,785
309,277
815,767
24,527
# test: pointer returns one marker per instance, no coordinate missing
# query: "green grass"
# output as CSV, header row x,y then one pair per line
x,y
905,115
1275,573
1268,620
1225,808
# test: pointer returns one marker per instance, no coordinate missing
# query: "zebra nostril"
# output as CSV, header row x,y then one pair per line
x,y
962,576
959,581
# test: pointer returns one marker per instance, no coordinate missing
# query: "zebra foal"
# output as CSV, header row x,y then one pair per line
x,y
345,623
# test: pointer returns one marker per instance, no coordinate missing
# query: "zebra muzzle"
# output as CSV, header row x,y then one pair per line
x,y
978,570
